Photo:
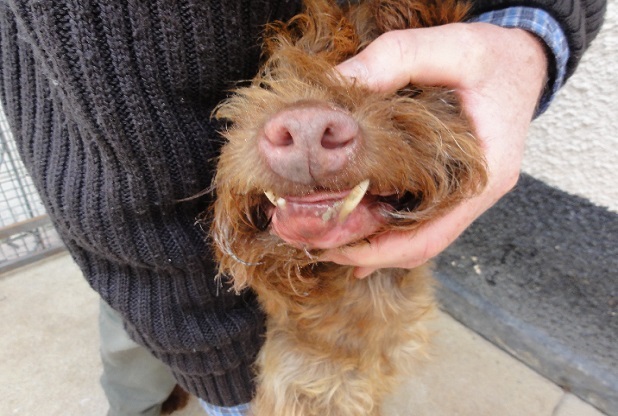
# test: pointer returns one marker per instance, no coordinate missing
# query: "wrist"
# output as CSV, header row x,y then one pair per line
x,y
540,23
513,60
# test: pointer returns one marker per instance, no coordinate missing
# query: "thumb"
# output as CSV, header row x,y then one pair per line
x,y
428,56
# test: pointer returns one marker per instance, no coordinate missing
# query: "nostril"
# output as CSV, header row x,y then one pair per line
x,y
279,135
332,140
286,138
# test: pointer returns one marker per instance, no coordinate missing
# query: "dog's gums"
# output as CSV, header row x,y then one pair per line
x,y
343,204
324,219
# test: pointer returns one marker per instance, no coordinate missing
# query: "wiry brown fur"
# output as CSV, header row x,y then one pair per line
x,y
337,345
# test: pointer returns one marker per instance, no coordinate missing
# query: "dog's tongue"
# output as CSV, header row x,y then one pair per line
x,y
313,223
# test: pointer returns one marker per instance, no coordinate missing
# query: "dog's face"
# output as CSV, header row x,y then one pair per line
x,y
316,161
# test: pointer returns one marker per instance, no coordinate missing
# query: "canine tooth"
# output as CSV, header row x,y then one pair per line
x,y
271,197
276,201
353,199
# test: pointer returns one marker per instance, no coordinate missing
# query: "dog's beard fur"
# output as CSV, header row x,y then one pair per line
x,y
337,345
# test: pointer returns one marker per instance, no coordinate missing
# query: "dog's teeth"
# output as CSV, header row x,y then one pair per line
x,y
271,197
278,202
353,199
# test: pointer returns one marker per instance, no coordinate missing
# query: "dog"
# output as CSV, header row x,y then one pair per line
x,y
314,161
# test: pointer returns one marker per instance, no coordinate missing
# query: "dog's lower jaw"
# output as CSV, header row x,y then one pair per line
x,y
343,356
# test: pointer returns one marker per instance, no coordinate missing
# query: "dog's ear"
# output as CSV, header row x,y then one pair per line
x,y
409,14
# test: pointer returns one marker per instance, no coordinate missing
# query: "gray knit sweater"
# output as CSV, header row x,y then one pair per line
x,y
109,102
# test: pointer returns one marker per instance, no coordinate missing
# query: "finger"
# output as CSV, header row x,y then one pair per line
x,y
395,249
431,56
362,272
409,250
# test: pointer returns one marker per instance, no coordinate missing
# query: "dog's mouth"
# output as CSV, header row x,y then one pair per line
x,y
327,219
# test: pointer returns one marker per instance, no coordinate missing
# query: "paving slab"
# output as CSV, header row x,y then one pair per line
x,y
468,376
574,406
49,362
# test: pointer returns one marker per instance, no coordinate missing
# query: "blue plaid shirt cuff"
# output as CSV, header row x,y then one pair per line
x,y
212,410
545,27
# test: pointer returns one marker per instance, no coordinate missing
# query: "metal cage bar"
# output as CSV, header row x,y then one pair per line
x,y
26,233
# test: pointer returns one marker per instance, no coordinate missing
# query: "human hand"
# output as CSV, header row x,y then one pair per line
x,y
498,74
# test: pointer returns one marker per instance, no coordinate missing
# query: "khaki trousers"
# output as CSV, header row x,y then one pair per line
x,y
134,381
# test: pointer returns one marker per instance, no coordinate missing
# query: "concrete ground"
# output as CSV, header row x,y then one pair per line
x,y
49,362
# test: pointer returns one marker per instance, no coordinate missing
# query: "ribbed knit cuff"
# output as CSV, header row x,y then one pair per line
x,y
223,376
232,388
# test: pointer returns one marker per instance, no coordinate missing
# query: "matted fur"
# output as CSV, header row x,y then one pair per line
x,y
336,345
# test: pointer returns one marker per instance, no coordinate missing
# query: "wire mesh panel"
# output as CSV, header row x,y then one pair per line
x,y
26,233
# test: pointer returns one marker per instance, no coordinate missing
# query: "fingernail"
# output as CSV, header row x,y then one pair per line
x,y
353,68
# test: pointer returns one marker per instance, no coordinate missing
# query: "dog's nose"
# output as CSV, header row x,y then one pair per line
x,y
308,143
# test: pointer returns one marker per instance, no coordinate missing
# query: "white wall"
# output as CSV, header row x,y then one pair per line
x,y
574,145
